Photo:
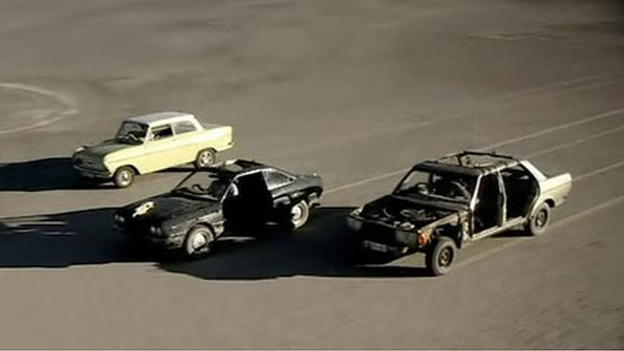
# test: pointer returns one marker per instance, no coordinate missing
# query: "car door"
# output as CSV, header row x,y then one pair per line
x,y
279,186
488,214
186,134
160,149
521,190
252,203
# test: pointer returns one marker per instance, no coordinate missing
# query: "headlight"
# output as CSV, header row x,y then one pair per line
x,y
355,224
356,212
119,218
424,236
156,230
407,226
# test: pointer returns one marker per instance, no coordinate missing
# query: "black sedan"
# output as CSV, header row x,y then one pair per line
x,y
220,199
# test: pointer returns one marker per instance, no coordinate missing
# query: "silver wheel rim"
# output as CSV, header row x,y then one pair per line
x,y
124,177
540,219
205,158
198,241
298,214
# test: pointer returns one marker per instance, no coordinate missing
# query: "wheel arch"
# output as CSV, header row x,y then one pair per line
x,y
133,167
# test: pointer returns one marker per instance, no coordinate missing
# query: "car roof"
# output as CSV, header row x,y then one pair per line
x,y
470,163
161,117
236,167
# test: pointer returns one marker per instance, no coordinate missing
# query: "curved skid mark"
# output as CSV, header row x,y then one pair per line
x,y
70,105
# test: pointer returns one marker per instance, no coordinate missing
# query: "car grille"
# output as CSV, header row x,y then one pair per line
x,y
378,233
85,162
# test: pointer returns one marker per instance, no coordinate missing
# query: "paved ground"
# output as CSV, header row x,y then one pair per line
x,y
356,90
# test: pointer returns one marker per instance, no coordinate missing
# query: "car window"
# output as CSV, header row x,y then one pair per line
x,y
131,132
445,185
162,132
184,127
276,179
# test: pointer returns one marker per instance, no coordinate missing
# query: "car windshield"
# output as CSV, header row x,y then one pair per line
x,y
205,185
440,185
131,133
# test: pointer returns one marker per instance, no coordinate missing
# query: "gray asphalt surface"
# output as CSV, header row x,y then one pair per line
x,y
355,90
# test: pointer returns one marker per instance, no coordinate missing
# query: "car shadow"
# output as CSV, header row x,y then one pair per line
x,y
321,248
86,238
55,173
62,240
513,233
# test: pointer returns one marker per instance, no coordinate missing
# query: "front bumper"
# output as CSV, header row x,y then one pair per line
x,y
91,172
166,241
379,237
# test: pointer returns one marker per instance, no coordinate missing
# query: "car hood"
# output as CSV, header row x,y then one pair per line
x,y
396,210
168,206
104,148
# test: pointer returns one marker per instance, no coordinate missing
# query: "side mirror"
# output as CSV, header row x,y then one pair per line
x,y
233,191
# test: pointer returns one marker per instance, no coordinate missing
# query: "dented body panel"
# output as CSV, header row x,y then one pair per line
x,y
164,220
481,200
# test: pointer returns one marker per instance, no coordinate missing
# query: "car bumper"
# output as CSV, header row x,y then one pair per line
x,y
373,236
383,248
169,242
92,173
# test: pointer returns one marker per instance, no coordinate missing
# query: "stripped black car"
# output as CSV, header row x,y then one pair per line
x,y
216,200
443,204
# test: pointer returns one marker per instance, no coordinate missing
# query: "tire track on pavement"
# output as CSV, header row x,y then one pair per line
x,y
522,138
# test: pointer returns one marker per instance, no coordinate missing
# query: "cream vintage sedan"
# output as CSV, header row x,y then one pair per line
x,y
151,143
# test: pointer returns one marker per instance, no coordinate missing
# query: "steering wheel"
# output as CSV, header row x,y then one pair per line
x,y
133,137
422,188
459,190
198,187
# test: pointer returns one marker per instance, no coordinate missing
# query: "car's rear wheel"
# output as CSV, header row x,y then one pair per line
x,y
299,214
123,177
198,241
441,256
540,220
205,158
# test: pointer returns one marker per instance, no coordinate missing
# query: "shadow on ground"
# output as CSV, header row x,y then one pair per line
x,y
62,240
86,237
319,249
55,173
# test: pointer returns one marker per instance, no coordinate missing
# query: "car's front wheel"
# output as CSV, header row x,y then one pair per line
x,y
299,214
198,241
441,256
123,177
540,220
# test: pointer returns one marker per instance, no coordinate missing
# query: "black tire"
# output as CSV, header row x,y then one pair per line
x,y
539,221
205,158
441,256
198,241
123,177
299,214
